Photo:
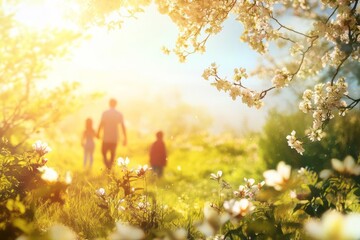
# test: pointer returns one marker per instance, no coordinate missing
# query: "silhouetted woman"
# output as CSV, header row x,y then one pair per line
x,y
88,142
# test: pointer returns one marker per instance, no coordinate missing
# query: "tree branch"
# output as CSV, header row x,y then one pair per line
x,y
303,56
289,29
328,19
287,39
353,103
354,7
338,68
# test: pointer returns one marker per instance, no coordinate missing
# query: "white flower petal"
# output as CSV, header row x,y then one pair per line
x,y
325,174
284,170
352,226
206,229
349,163
272,177
337,165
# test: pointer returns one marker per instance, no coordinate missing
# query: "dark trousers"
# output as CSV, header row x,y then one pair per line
x,y
108,147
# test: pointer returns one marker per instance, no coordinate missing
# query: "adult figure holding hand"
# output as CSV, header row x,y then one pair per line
x,y
110,120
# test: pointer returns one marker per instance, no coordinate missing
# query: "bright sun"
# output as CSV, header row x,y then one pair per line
x,y
41,14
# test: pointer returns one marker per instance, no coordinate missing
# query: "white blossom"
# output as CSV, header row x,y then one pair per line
x,y
100,192
238,208
123,162
325,174
279,177
348,166
281,79
334,225
41,148
216,176
294,143
48,174
142,170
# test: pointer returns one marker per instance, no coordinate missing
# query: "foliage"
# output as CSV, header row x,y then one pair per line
x,y
283,209
133,200
25,179
341,139
170,210
25,57
127,199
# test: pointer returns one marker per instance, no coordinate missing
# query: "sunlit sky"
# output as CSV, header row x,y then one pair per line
x,y
128,63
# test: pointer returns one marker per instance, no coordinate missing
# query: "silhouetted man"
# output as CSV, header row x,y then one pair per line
x,y
110,120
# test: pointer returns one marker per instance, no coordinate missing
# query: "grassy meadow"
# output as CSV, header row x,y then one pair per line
x,y
183,190
215,185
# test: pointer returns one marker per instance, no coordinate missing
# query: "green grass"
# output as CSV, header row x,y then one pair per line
x,y
182,192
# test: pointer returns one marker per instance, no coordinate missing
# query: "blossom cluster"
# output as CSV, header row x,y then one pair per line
x,y
249,190
235,88
233,209
294,143
281,78
238,208
48,174
41,148
254,16
330,41
195,21
322,102
347,167
140,171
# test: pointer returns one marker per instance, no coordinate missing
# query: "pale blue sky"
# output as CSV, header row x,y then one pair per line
x,y
128,63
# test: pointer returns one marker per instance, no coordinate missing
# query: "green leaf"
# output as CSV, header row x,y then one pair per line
x,y
10,205
22,224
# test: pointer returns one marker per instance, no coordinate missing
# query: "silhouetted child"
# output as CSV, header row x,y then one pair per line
x,y
158,154
88,143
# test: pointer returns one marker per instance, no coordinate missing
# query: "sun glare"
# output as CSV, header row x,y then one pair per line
x,y
41,14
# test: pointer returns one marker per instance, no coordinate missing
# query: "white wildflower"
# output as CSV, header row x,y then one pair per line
x,y
279,177
348,166
48,174
216,176
41,148
123,162
238,208
142,170
325,174
100,192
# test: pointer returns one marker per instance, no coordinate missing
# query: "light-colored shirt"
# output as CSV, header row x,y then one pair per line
x,y
110,120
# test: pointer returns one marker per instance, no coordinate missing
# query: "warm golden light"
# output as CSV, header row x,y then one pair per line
x,y
48,174
41,14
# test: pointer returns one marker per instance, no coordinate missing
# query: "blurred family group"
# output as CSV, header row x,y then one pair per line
x,y
111,121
